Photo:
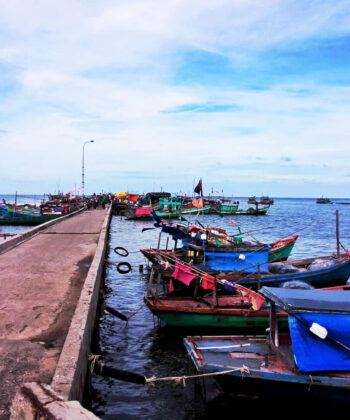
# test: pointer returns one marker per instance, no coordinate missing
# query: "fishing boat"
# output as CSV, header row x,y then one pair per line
x,y
225,207
246,309
144,213
30,220
9,216
323,200
265,199
311,361
278,250
194,210
252,200
250,211
318,272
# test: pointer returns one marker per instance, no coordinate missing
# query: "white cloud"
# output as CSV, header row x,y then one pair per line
x,y
104,70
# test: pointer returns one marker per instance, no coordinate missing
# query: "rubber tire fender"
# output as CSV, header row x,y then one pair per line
x,y
127,268
119,250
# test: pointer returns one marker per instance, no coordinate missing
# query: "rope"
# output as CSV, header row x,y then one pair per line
x,y
93,359
182,379
136,312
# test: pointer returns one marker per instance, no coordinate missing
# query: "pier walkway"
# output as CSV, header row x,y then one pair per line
x,y
41,280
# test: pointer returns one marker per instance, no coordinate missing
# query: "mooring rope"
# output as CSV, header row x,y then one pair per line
x,y
182,379
98,367
136,312
93,359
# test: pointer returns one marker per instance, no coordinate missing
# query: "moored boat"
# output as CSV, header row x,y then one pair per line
x,y
145,213
247,212
244,310
312,361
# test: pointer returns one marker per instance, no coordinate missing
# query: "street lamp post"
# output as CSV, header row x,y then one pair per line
x,y
82,171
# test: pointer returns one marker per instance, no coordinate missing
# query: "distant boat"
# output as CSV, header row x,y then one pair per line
x,y
265,199
323,200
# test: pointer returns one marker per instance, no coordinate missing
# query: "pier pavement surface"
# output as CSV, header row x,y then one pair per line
x,y
40,284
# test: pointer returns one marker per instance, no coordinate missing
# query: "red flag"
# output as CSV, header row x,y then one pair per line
x,y
198,188
208,282
171,286
183,274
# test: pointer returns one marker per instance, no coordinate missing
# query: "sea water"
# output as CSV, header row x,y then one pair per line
x,y
144,347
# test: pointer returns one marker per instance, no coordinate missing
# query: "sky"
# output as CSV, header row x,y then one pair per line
x,y
251,96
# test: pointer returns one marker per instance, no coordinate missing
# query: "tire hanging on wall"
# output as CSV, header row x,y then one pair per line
x,y
119,250
125,270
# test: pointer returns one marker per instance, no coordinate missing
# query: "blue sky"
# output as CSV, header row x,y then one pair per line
x,y
251,96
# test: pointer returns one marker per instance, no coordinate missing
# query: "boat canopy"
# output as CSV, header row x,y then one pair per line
x,y
298,300
319,325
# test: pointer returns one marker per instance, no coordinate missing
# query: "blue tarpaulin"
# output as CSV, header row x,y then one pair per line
x,y
230,261
315,354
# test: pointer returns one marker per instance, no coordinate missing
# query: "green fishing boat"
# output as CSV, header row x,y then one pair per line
x,y
233,312
194,210
225,207
249,212
28,220
280,250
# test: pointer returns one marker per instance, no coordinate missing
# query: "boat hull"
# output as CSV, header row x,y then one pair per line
x,y
336,275
27,220
265,373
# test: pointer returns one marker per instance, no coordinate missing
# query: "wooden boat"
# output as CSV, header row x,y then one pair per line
x,y
248,212
144,213
28,220
335,274
234,312
194,210
137,213
279,251
311,362
252,200
243,310
225,208
334,271
265,199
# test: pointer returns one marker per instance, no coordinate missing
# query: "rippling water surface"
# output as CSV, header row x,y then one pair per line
x,y
144,347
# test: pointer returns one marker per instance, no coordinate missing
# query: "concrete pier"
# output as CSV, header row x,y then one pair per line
x,y
49,287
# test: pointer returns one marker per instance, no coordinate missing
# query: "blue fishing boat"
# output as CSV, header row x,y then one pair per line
x,y
311,361
317,272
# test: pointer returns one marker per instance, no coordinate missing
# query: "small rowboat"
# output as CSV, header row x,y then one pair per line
x,y
310,362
